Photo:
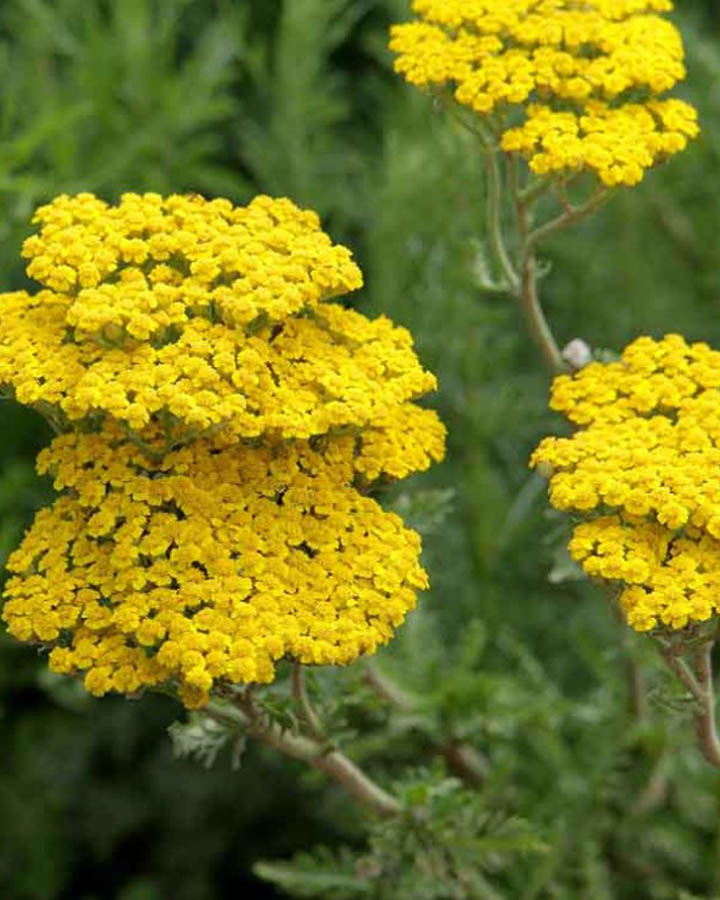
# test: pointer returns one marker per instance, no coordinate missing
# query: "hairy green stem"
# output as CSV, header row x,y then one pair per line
x,y
494,219
527,294
493,211
681,670
533,191
535,320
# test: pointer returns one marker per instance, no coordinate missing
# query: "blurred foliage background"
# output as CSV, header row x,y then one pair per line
x,y
583,737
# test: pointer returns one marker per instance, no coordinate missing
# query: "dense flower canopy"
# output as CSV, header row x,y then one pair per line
x,y
587,77
219,420
232,333
644,468
210,564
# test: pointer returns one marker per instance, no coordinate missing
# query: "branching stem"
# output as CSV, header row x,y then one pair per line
x,y
493,210
569,216
527,295
700,684
244,714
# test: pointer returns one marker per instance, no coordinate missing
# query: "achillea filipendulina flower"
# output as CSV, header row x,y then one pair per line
x,y
234,336
149,264
208,565
644,468
586,75
220,416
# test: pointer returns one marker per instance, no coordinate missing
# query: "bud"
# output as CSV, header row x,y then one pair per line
x,y
577,354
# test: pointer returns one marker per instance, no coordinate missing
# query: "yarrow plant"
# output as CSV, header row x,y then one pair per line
x,y
567,96
641,469
219,424
567,85
570,97
640,477
222,422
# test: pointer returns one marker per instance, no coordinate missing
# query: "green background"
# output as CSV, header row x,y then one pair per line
x,y
298,98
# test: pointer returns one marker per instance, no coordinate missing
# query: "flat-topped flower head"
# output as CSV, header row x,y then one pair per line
x,y
583,77
141,270
309,375
207,567
202,317
644,468
221,422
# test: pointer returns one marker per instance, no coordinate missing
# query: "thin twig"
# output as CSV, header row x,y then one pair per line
x,y
535,317
683,672
528,297
533,191
700,684
494,225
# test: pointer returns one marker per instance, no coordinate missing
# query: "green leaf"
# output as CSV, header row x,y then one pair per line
x,y
309,876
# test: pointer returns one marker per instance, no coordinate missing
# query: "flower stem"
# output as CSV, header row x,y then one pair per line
x,y
705,718
681,670
494,225
244,714
334,764
493,209
700,684
527,294
308,716
537,324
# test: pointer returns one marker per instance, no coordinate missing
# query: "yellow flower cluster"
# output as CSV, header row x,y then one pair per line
x,y
645,467
146,267
234,337
588,75
209,565
220,418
